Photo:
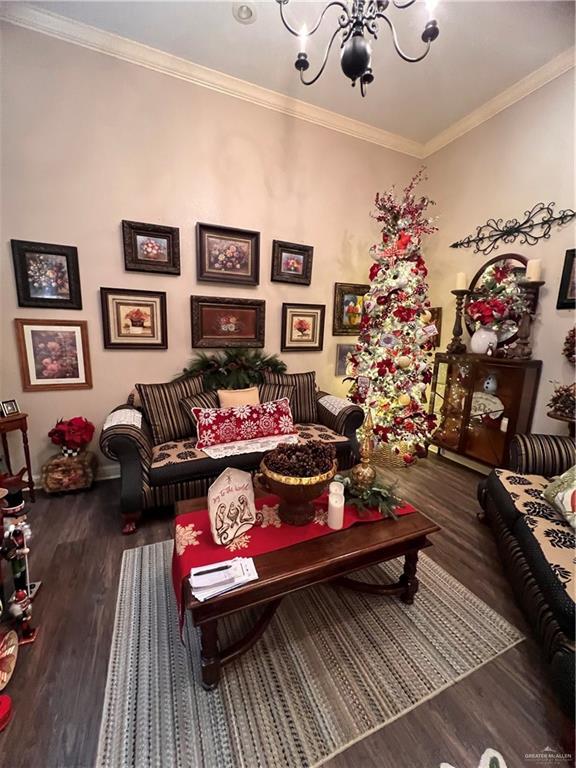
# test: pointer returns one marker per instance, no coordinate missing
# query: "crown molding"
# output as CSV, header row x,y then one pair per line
x,y
99,40
122,48
532,82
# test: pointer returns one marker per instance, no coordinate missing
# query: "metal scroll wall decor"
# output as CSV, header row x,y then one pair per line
x,y
536,225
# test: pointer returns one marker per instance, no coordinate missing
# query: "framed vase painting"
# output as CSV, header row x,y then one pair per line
x,y
47,276
53,354
342,352
223,323
302,327
151,248
348,302
226,255
134,319
291,263
567,290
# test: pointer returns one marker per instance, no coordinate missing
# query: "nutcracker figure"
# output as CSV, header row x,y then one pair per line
x,y
21,610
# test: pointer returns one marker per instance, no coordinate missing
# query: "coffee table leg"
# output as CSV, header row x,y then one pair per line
x,y
408,578
210,655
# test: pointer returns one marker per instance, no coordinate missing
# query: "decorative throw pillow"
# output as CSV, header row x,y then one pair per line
x,y
246,422
270,392
561,493
303,400
231,398
202,400
161,406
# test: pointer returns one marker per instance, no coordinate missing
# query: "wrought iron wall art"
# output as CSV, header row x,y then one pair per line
x,y
536,225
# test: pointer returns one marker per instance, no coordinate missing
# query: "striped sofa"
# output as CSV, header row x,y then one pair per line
x,y
537,547
159,461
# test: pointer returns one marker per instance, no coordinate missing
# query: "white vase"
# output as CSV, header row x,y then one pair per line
x,y
481,340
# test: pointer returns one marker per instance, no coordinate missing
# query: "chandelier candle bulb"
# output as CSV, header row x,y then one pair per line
x,y
335,511
461,281
302,39
534,270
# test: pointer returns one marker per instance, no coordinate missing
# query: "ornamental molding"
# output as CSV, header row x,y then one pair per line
x,y
122,48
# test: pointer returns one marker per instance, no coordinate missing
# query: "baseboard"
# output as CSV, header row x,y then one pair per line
x,y
482,469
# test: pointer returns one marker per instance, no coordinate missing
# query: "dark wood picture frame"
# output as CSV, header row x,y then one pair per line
x,y
320,309
21,249
340,291
134,262
27,384
568,282
10,407
342,352
280,248
436,313
206,274
202,339
107,322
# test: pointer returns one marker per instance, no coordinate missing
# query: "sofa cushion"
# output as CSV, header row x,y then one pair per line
x,y
303,400
270,392
511,490
161,406
207,399
180,460
561,493
230,398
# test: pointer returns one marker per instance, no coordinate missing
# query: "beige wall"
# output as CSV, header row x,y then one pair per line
x,y
89,140
523,156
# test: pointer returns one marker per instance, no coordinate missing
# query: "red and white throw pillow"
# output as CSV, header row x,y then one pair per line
x,y
245,422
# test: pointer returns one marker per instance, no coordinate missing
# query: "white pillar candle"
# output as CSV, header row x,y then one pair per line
x,y
534,270
461,281
336,487
335,511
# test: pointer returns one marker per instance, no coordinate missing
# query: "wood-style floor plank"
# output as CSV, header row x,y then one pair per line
x,y
58,686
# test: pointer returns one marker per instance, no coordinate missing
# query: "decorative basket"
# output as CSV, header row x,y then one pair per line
x,y
386,455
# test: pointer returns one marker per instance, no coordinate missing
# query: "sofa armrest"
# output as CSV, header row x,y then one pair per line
x,y
546,455
126,425
339,414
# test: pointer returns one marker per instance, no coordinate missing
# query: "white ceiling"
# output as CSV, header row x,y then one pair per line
x,y
484,47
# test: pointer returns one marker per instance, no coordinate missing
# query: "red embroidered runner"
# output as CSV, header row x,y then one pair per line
x,y
194,545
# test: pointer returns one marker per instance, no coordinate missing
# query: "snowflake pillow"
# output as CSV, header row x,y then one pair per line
x,y
561,493
245,422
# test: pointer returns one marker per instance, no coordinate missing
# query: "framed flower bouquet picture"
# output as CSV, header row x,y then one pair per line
x,y
151,248
134,319
226,255
47,276
567,290
53,354
291,263
348,301
223,323
302,327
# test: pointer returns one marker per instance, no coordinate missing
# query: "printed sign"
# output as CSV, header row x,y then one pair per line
x,y
231,505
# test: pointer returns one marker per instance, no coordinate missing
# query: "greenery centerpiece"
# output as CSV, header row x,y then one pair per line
x,y
232,368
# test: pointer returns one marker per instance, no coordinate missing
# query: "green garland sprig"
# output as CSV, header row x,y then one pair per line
x,y
379,496
232,368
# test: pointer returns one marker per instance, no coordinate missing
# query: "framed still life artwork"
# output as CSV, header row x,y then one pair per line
x,y
342,352
224,323
302,327
54,354
567,290
134,319
151,248
291,263
348,301
436,313
46,275
226,255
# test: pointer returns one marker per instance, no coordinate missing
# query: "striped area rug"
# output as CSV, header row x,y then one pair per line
x,y
332,667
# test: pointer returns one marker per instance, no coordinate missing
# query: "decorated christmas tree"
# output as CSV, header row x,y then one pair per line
x,y
390,364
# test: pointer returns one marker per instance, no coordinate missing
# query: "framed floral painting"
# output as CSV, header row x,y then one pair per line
x,y
291,263
226,255
342,352
151,248
54,354
219,323
567,290
134,319
302,327
348,301
46,275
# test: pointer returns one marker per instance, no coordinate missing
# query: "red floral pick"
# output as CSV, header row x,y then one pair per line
x,y
73,433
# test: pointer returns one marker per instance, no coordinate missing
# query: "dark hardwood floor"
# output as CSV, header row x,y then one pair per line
x,y
58,686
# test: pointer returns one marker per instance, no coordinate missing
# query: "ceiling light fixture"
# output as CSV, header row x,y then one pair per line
x,y
245,13
357,18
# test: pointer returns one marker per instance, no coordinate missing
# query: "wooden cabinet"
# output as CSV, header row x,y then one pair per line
x,y
481,402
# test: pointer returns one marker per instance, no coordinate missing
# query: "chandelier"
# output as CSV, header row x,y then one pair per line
x,y
357,19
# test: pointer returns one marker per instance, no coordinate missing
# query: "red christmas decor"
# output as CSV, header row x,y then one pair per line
x,y
73,433
487,311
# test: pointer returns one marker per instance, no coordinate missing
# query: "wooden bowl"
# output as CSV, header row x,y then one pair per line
x,y
296,493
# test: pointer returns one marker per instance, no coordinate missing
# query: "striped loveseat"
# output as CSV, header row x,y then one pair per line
x,y
537,547
155,443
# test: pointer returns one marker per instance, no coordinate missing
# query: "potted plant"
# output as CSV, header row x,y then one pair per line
x,y
72,435
487,314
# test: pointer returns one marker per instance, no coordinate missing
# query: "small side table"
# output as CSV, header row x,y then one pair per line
x,y
570,420
11,424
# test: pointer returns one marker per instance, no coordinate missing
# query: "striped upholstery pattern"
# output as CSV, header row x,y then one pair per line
x,y
270,392
161,406
201,400
303,400
546,455
140,436
334,412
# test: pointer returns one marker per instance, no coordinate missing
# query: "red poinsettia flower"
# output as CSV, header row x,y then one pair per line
x,y
405,314
403,241
374,269
73,433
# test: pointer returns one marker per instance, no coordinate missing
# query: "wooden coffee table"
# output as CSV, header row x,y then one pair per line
x,y
328,558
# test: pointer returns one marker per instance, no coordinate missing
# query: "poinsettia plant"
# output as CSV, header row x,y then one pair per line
x,y
488,312
72,433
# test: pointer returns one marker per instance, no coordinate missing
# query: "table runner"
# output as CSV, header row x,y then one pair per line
x,y
194,545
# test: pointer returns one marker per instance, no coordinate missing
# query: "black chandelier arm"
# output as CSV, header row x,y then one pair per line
x,y
343,21
399,51
406,4
323,66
